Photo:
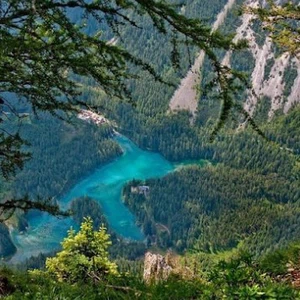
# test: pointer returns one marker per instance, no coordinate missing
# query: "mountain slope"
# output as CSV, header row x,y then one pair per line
x,y
274,76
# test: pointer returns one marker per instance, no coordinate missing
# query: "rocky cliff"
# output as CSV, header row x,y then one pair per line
x,y
156,268
268,76
275,77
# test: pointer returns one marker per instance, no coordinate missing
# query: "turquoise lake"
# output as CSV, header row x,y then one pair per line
x,y
103,185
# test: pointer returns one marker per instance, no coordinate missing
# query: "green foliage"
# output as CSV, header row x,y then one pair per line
x,y
289,76
11,154
251,195
276,263
261,113
239,278
40,286
269,64
283,24
86,207
84,256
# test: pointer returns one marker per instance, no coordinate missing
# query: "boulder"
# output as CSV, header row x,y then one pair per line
x,y
156,268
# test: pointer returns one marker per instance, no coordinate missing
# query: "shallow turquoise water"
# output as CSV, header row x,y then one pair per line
x,y
104,185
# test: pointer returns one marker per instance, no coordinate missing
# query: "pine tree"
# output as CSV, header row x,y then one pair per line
x,y
84,256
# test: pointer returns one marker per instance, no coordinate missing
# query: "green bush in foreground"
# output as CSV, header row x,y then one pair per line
x,y
234,280
82,270
84,255
242,278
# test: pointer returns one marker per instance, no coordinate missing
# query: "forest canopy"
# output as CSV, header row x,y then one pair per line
x,y
47,49
44,51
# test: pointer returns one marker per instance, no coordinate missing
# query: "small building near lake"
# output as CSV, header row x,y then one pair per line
x,y
141,189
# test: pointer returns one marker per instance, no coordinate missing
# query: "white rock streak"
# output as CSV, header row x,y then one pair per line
x,y
113,41
185,97
273,86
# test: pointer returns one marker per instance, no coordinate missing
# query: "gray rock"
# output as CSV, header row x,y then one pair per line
x,y
156,268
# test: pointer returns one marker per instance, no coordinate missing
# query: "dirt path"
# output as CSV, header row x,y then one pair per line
x,y
163,227
185,97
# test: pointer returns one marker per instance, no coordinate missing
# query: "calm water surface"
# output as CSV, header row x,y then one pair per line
x,y
103,185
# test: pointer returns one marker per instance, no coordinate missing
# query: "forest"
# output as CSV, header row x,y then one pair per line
x,y
232,223
240,277
62,153
149,124
248,195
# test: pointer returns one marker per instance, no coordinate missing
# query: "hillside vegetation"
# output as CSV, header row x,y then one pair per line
x,y
82,270
249,194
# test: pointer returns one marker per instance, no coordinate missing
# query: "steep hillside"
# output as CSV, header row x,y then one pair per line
x,y
274,75
269,77
152,125
186,96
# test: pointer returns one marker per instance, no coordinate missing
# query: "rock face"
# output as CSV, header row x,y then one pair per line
x,y
186,96
272,85
156,268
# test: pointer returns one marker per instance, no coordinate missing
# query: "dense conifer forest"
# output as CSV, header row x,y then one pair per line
x,y
231,224
62,154
249,195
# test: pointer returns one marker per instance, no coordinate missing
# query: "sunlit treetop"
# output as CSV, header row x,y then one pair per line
x,y
84,256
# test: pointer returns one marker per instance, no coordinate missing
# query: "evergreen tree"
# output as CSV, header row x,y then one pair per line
x,y
84,256
45,50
